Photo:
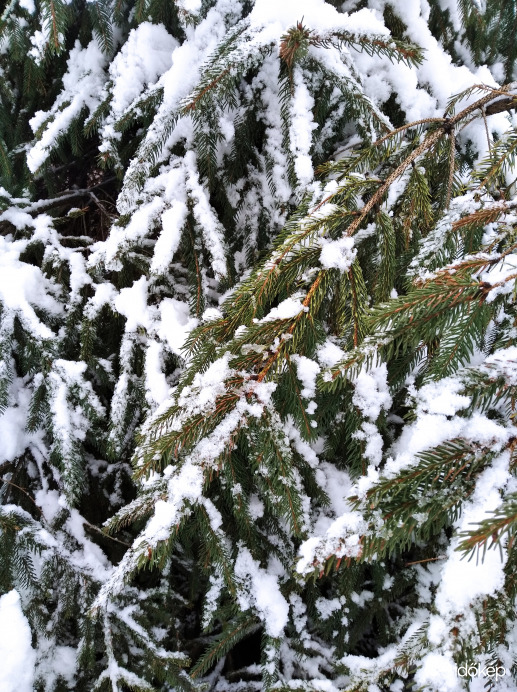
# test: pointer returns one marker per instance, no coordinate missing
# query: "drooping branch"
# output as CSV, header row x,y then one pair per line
x,y
64,198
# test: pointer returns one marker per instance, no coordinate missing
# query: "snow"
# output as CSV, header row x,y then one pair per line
x,y
374,444
443,397
12,423
132,303
175,323
173,219
269,96
307,370
39,41
302,125
204,214
16,652
327,606
211,599
261,591
505,361
437,672
342,538
337,254
316,14
436,421
437,630
28,5
82,84
371,396
60,662
190,5
287,309
68,422
146,55
78,276
23,286
329,354
84,555
186,485
208,386
431,430
177,82
371,393
105,293
256,507
121,237
464,581
156,382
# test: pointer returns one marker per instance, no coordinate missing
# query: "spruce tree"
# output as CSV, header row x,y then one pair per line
x,y
257,362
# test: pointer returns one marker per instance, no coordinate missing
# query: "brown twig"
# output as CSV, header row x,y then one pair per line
x,y
428,559
452,166
18,487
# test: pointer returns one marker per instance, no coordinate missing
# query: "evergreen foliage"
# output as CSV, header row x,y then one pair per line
x,y
258,369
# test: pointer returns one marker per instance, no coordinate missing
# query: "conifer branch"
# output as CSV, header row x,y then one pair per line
x,y
23,490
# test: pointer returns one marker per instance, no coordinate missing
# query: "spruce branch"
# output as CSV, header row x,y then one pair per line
x,y
233,632
493,531
23,490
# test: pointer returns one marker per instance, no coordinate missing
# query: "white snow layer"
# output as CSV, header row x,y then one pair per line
x,y
17,656
145,56
260,590
338,254
82,85
23,286
462,580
